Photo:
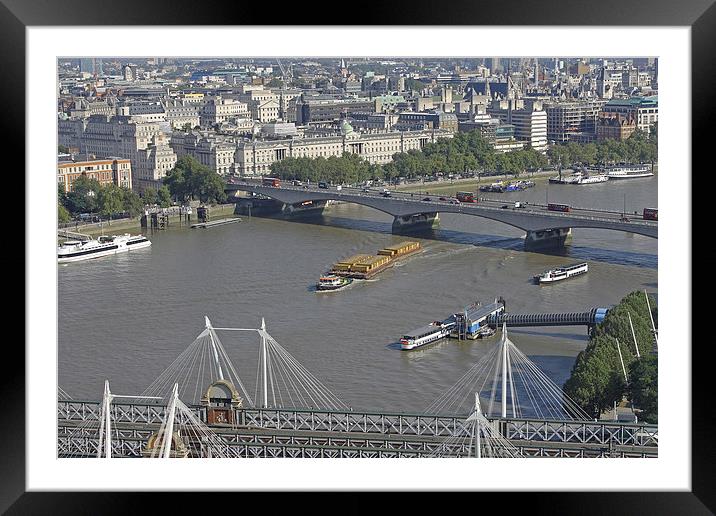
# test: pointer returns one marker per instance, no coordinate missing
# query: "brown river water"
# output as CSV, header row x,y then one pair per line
x,y
126,317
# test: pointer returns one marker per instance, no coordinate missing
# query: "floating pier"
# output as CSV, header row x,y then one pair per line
x,y
213,223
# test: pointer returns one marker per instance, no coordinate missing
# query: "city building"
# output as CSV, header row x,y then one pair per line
x,y
143,143
644,109
212,150
572,121
615,126
106,171
322,109
255,157
218,109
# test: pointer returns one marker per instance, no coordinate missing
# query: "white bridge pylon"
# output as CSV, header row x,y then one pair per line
x,y
281,381
512,385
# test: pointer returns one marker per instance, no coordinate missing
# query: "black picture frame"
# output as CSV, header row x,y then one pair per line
x,y
700,15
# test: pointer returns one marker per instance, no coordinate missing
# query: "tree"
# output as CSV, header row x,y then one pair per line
x,y
62,214
643,387
189,179
149,195
110,200
63,149
131,202
164,197
84,195
597,378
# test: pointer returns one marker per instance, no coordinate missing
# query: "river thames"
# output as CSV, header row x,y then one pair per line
x,y
125,318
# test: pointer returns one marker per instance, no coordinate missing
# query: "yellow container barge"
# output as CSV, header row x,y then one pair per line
x,y
365,266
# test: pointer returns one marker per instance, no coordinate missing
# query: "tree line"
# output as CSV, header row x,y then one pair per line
x,y
597,377
89,196
467,152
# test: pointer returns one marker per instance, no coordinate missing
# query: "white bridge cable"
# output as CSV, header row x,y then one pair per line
x,y
291,382
529,391
205,360
196,368
199,440
476,437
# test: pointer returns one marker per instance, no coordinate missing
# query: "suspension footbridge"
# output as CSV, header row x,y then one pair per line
x,y
503,406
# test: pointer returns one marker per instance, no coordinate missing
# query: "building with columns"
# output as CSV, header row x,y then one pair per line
x,y
255,157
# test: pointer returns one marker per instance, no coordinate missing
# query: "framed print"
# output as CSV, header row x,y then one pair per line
x,y
295,254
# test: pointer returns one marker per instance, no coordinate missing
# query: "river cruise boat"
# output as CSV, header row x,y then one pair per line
x,y
332,282
590,178
628,171
76,250
425,335
562,273
622,171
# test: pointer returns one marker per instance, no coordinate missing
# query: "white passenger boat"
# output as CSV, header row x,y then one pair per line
x,y
425,335
75,250
561,273
590,178
628,171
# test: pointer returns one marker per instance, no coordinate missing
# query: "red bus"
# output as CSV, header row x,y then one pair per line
x,y
271,181
557,207
465,197
651,214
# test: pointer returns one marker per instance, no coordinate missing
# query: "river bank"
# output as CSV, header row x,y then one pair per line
x,y
134,224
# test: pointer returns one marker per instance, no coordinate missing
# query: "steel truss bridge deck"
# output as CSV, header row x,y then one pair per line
x,y
319,433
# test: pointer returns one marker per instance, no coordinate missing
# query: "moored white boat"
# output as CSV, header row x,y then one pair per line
x,y
425,335
75,250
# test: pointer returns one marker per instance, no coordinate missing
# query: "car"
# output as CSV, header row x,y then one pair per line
x,y
454,201
305,186
322,184
519,204
427,199
443,198
504,206
366,189
385,194
297,183
624,219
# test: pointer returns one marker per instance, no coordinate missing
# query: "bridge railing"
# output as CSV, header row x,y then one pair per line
x,y
376,423
451,207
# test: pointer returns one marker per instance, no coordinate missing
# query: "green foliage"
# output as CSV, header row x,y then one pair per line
x,y
110,200
164,197
149,195
131,202
189,179
597,378
84,195
638,148
643,387
63,149
62,214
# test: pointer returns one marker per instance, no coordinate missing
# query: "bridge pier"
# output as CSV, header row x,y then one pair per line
x,y
304,209
416,222
547,239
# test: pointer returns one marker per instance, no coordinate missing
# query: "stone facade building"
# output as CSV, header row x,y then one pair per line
x,y
106,171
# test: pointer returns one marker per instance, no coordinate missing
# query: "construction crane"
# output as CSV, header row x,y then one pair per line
x,y
286,73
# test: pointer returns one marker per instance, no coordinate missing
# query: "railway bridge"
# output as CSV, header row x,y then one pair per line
x,y
262,432
543,228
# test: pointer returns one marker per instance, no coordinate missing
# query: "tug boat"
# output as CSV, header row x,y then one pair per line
x,y
562,273
76,250
332,282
